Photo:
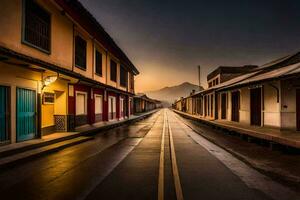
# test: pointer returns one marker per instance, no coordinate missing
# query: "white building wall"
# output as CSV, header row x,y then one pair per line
x,y
245,105
288,103
271,112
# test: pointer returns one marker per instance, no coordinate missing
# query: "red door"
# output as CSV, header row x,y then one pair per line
x,y
298,108
223,106
235,107
255,106
216,106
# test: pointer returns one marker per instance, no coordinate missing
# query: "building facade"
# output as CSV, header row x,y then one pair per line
x,y
142,103
266,95
59,70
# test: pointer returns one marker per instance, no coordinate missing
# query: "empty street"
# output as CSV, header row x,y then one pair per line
x,y
156,158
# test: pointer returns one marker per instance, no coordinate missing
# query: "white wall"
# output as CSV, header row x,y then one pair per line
x,y
271,112
245,105
288,103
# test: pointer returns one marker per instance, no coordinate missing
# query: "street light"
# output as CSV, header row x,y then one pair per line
x,y
48,80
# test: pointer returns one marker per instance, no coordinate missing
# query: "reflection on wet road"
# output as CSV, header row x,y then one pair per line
x,y
157,158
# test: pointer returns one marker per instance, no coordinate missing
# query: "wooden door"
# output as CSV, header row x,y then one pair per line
x,y
223,106
235,107
216,106
4,113
26,114
255,106
298,108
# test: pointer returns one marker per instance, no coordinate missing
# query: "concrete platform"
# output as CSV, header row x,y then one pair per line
x,y
273,135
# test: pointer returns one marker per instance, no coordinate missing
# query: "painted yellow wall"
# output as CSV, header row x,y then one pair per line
x,y
59,88
62,37
14,77
61,32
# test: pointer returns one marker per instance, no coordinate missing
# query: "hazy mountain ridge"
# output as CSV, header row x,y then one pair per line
x,y
169,94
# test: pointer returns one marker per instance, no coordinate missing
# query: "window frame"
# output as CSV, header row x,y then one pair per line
x,y
126,76
95,62
85,102
131,79
114,104
101,100
116,73
23,27
78,66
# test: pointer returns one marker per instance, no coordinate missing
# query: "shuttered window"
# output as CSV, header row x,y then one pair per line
x,y
98,104
81,103
113,70
98,62
131,81
123,77
36,28
80,52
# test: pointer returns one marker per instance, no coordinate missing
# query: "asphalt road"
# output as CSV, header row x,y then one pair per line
x,y
157,158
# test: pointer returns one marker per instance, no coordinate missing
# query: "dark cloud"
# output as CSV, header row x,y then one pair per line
x,y
181,34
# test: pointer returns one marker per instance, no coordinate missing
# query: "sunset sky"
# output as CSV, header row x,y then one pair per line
x,y
167,39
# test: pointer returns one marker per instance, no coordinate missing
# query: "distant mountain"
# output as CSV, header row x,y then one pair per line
x,y
169,94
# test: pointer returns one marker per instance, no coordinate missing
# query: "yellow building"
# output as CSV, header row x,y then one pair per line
x,y
58,70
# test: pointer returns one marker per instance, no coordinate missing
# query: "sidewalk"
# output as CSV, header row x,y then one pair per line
x,y
92,129
272,135
17,152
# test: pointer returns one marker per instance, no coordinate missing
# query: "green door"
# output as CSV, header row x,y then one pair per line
x,y
26,114
4,113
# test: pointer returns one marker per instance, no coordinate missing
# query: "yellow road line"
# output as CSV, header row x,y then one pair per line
x,y
161,163
178,189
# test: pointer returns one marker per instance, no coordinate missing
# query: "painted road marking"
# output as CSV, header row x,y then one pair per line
x,y
251,177
162,163
178,189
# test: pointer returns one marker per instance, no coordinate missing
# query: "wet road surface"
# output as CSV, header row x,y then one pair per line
x,y
157,158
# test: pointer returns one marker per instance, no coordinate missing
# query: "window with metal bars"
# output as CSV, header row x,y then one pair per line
x,y
80,52
37,26
113,71
123,77
98,63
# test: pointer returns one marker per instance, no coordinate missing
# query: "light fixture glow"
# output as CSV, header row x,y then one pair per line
x,y
48,80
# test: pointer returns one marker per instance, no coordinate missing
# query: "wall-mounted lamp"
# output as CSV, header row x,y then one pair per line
x,y
48,80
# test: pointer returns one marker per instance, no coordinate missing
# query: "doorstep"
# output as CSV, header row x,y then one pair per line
x,y
274,135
